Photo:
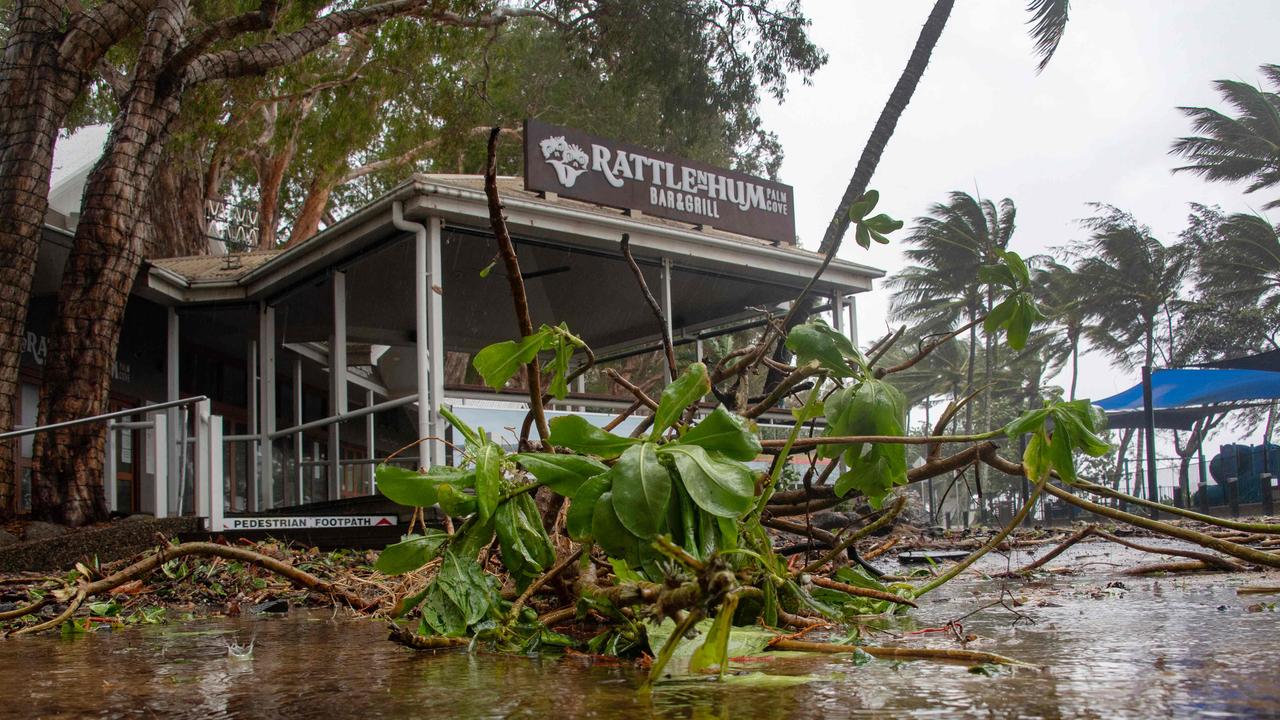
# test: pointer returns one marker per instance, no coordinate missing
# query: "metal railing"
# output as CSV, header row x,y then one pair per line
x,y
168,469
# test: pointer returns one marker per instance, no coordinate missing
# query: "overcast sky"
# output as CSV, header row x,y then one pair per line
x,y
1096,125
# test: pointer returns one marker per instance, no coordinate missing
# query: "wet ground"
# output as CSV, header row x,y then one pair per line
x,y
1147,647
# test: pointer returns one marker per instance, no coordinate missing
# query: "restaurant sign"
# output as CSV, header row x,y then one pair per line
x,y
576,165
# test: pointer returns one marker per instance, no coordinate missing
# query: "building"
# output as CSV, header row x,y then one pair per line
x,y
397,295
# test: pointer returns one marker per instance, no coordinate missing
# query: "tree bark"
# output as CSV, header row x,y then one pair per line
x,y
313,206
174,218
270,179
46,61
105,258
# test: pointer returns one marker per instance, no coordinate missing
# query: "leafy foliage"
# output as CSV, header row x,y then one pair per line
x,y
1057,431
875,228
1017,312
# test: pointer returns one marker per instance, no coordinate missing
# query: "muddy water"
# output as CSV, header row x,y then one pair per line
x,y
1153,648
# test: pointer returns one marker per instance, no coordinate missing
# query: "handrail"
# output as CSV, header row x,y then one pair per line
x,y
105,416
343,417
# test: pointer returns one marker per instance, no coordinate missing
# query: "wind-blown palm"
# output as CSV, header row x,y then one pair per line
x,y
1061,294
1134,283
1244,268
1244,147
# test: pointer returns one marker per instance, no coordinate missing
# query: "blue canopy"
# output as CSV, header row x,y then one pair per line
x,y
1182,387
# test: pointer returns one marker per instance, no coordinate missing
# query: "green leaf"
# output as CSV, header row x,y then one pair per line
x,y
418,489
468,434
725,433
526,549
1017,266
564,344
815,340
488,478
497,363
999,315
713,652
872,407
583,505
718,485
575,433
467,586
442,614
862,235
882,224
610,534
454,502
1060,456
641,490
997,275
863,205
410,553
1035,459
878,237
1029,421
562,473
686,390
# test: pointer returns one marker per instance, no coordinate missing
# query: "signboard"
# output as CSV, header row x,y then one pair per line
x,y
576,165
300,522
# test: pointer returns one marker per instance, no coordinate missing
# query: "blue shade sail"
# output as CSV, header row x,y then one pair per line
x,y
1183,387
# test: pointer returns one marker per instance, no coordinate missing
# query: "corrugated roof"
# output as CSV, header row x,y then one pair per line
x,y
214,268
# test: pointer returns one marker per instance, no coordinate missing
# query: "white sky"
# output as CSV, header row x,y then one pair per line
x,y
1095,126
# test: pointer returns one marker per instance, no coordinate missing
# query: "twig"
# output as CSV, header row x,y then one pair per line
x,y
857,535
508,251
543,580
654,305
632,388
811,442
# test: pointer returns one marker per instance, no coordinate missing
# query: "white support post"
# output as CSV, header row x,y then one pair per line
x,y
109,470
173,455
266,405
202,454
337,382
853,319
160,486
837,312
434,285
297,420
369,439
251,449
666,296
218,491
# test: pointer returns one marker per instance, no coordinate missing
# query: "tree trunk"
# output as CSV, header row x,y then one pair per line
x,y
105,257
1075,364
308,221
36,92
174,222
270,179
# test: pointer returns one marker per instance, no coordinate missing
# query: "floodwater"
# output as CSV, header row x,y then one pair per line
x,y
1156,647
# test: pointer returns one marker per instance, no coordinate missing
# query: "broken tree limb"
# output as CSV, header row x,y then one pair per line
x,y
1223,546
1096,489
897,653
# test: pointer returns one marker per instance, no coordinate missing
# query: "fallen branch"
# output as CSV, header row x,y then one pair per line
x,y
1226,548
1170,567
1095,531
667,347
861,592
148,564
898,653
857,535
1256,528
541,581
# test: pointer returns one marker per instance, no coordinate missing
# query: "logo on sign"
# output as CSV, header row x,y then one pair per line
x,y
568,159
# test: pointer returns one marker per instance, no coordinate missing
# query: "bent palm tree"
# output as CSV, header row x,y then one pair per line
x,y
1244,147
1061,294
940,289
1244,268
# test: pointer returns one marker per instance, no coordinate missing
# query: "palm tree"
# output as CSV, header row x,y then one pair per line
x,y
1061,295
940,290
1244,268
1134,285
1244,147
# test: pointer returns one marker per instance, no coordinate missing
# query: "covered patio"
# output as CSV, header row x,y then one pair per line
x,y
402,292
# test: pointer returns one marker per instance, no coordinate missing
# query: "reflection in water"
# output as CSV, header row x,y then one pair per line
x,y
1160,647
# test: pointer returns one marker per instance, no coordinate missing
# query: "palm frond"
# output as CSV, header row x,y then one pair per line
x,y
1048,26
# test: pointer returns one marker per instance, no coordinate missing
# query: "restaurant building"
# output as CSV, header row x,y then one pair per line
x,y
321,358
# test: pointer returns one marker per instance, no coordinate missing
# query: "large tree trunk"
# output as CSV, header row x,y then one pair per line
x,y
35,94
270,179
105,257
308,221
174,221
